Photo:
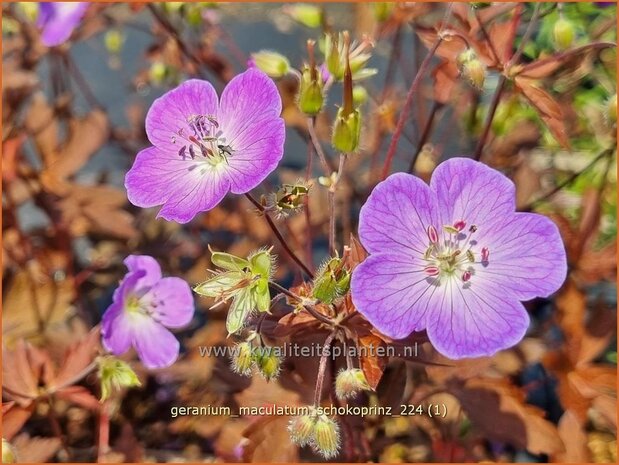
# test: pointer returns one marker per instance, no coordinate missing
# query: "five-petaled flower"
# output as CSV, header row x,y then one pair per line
x,y
454,258
203,149
57,20
144,305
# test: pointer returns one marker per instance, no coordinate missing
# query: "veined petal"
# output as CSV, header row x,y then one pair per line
x,y
249,114
172,302
172,111
396,216
156,346
471,191
148,265
115,332
202,191
58,20
475,322
527,256
394,293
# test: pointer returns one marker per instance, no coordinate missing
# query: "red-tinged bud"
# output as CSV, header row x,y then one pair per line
x,y
432,234
460,225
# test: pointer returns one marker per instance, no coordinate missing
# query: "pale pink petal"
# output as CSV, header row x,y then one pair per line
x,y
172,302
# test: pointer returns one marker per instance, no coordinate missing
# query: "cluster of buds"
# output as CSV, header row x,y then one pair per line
x,y
265,359
311,96
115,375
331,282
350,382
318,431
273,64
347,126
340,55
244,281
472,68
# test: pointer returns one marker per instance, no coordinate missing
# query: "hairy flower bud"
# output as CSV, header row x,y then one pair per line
x,y
114,40
301,428
242,360
326,437
158,72
311,98
290,198
115,375
8,454
346,131
271,63
268,362
331,282
472,68
306,14
350,382
359,95
563,33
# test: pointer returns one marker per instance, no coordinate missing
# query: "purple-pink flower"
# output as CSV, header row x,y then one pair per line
x,y
454,258
144,305
203,149
57,20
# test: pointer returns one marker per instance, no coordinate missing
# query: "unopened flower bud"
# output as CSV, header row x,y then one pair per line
x,y
311,98
349,383
115,375
331,281
326,437
273,64
611,109
242,360
8,454
157,72
114,40
471,68
268,362
308,15
563,33
301,428
346,131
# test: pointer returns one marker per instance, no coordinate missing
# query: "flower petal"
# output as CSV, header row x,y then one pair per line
x,y
170,113
471,191
397,215
146,264
257,153
156,346
475,321
115,332
394,293
249,115
184,187
58,20
173,300
527,256
198,194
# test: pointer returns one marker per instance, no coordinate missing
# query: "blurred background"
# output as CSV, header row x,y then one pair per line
x,y
73,121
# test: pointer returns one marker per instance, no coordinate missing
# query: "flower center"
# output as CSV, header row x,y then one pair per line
x,y
455,254
202,139
134,306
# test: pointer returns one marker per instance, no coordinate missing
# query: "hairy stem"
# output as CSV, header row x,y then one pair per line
x,y
322,368
332,191
319,316
279,236
496,98
425,135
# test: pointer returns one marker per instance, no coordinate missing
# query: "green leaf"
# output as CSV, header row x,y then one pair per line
x,y
219,284
228,261
262,295
261,264
240,309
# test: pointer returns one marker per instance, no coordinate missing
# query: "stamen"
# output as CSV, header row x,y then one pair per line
x,y
470,256
459,225
431,270
473,228
485,254
466,276
432,234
